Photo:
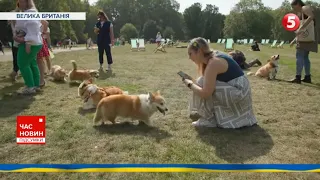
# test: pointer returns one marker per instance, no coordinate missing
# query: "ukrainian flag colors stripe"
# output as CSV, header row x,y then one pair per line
x,y
159,167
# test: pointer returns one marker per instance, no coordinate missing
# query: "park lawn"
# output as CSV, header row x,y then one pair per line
x,y
288,116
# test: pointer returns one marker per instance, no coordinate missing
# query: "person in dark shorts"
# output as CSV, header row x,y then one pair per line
x,y
255,46
239,57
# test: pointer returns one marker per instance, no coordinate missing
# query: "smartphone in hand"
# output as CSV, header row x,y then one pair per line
x,y
184,75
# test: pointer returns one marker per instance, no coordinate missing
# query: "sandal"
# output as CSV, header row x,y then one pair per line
x,y
42,85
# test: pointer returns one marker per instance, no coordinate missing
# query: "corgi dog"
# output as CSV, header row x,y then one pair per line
x,y
269,70
80,75
137,107
92,94
58,73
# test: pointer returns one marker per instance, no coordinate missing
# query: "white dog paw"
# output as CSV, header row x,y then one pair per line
x,y
99,123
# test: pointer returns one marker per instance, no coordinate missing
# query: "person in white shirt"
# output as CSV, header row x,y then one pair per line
x,y
158,38
29,47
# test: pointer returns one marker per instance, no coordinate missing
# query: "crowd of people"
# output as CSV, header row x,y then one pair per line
x,y
219,74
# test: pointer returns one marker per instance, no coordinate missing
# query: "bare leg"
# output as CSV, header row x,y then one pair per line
x,y
48,61
42,70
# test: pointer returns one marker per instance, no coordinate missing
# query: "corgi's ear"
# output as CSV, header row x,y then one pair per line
x,y
268,60
150,96
158,92
90,80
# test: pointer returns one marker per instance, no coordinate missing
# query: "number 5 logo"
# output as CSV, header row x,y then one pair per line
x,y
291,22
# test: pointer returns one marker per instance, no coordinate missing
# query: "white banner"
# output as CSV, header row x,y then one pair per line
x,y
43,16
31,140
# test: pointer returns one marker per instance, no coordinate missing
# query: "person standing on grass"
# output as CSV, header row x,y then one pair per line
x,y
104,30
303,48
43,54
14,48
47,38
1,47
28,48
158,38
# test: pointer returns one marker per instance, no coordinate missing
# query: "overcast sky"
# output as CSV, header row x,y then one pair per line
x,y
224,5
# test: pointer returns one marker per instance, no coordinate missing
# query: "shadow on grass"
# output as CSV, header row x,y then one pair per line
x,y
237,146
312,85
56,81
131,129
83,112
106,74
12,103
74,84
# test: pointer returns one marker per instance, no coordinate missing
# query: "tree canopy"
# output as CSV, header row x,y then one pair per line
x,y
144,18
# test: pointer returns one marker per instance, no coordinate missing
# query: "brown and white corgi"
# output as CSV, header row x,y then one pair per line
x,y
92,94
137,107
269,70
58,73
80,75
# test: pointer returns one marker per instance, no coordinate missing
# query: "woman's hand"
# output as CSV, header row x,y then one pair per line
x,y
28,48
187,81
18,39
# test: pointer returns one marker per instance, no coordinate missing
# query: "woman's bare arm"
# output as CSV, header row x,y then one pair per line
x,y
45,25
214,67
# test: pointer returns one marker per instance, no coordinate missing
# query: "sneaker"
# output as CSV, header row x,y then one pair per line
x,y
109,68
27,91
203,123
101,67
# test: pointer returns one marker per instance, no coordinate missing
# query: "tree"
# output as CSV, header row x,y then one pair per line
x,y
213,22
150,29
249,18
168,32
128,31
193,20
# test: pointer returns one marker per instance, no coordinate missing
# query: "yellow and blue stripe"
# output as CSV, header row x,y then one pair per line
x,y
159,167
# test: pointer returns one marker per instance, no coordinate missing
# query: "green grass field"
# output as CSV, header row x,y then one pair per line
x,y
288,116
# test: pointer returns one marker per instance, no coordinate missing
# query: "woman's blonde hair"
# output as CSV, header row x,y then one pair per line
x,y
101,13
200,44
30,5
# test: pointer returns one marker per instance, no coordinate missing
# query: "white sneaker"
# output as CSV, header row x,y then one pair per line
x,y
203,123
109,68
27,91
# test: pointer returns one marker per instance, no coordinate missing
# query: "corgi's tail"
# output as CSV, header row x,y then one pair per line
x,y
74,64
126,92
250,73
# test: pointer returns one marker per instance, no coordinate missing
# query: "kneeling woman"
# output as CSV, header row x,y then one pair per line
x,y
222,93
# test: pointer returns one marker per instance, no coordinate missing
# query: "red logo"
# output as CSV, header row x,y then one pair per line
x,y
291,22
31,130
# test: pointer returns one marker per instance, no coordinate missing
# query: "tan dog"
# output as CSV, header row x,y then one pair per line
x,y
92,94
269,70
81,75
58,73
137,107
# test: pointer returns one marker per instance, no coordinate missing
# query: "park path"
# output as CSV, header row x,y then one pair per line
x,y
8,54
